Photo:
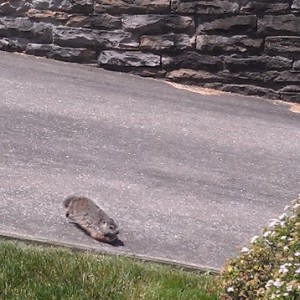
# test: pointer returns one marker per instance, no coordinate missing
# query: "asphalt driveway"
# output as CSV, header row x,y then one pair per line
x,y
188,177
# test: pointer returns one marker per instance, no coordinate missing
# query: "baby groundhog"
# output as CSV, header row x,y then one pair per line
x,y
91,218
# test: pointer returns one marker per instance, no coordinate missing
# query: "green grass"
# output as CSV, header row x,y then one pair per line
x,y
39,272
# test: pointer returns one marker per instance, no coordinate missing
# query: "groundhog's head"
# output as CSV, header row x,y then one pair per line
x,y
109,229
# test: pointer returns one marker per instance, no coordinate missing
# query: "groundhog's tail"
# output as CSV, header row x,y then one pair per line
x,y
68,200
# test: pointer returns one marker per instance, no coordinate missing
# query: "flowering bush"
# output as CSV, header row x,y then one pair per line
x,y
270,267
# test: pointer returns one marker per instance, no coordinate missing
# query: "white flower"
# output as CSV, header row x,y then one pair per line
x,y
287,208
230,289
282,223
297,253
254,239
273,223
245,250
277,283
269,283
283,237
297,205
297,271
285,248
289,288
283,216
267,233
285,294
283,269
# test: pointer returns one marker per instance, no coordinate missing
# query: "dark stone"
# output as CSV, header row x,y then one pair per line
x,y
286,77
128,59
25,28
70,6
288,46
13,44
192,60
105,21
80,37
296,6
207,7
14,8
290,93
233,25
263,6
282,24
79,55
157,23
166,42
215,44
131,6
250,90
290,96
257,63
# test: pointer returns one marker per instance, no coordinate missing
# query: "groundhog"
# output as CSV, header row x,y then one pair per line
x,y
91,218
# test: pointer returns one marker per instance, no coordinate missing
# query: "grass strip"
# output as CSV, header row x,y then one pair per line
x,y
40,272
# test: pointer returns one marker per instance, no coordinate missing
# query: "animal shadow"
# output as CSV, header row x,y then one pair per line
x,y
116,243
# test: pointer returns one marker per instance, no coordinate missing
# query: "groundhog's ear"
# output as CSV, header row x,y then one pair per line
x,y
103,222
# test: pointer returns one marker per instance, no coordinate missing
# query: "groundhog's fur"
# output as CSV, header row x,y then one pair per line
x,y
91,218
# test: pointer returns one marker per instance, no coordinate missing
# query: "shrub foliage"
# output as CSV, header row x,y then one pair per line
x,y
270,267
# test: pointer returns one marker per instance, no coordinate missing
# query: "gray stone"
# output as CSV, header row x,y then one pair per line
x,y
257,63
233,25
263,6
206,7
247,89
105,21
79,55
215,44
296,6
128,59
25,28
41,4
157,23
40,49
166,42
270,24
296,65
283,45
192,60
80,37
131,6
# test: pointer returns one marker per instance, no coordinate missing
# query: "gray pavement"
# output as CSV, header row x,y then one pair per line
x,y
189,178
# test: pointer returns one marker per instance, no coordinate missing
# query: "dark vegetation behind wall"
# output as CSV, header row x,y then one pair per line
x,y
243,46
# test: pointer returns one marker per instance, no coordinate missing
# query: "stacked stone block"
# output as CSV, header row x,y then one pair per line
x,y
249,47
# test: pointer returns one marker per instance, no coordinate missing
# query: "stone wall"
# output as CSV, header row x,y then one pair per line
x,y
243,46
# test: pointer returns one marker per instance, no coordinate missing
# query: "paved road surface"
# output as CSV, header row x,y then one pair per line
x,y
189,178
